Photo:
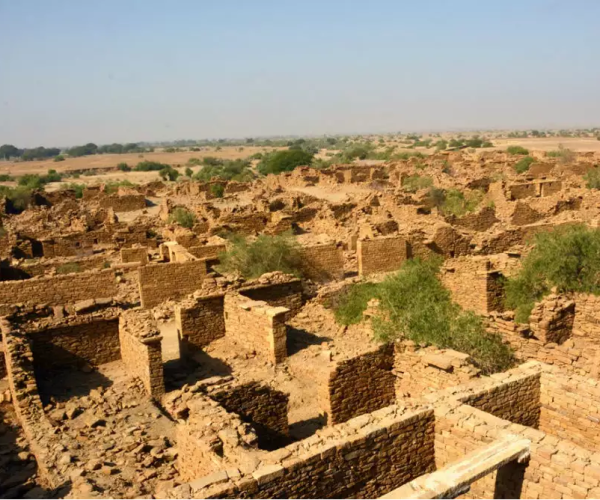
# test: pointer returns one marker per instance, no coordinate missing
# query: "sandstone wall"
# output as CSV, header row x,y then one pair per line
x,y
381,254
124,203
266,409
323,262
134,255
210,252
60,289
93,342
200,321
78,264
361,385
161,282
257,327
552,319
288,295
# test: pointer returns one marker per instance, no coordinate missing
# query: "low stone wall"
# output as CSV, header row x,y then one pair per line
x,y
517,400
124,202
322,262
266,409
361,385
200,321
160,282
76,264
210,252
60,289
257,327
473,284
134,255
141,351
381,254
88,343
288,294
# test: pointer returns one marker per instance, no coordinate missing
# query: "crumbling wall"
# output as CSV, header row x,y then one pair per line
x,y
210,252
60,289
124,202
161,282
287,294
381,254
200,321
141,351
137,254
93,342
552,319
361,385
479,221
473,284
257,327
322,262
266,409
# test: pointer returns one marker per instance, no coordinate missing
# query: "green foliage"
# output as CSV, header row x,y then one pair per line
x,y
565,156
405,155
183,217
567,258
414,305
413,183
517,150
523,164
168,173
592,178
58,158
230,170
441,145
31,181
189,172
284,161
265,254
78,188
217,190
40,153
149,166
71,267
88,149
19,197
8,151
5,178
459,204
123,167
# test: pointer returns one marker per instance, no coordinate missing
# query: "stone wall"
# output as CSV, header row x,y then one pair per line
x,y
381,254
141,351
361,385
60,289
552,319
517,400
322,262
200,321
287,294
136,254
160,282
92,343
76,264
257,327
266,409
473,284
124,202
210,252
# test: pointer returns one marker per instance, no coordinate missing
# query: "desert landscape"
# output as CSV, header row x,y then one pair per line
x,y
334,317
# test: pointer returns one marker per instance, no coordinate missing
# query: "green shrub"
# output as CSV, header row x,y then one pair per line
x,y
19,197
183,217
284,161
414,305
5,178
168,173
58,158
592,178
565,156
189,172
523,164
149,166
123,167
78,188
71,267
567,258
217,190
252,259
413,183
517,150
459,204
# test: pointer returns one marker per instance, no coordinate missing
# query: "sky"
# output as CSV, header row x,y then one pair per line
x,y
103,71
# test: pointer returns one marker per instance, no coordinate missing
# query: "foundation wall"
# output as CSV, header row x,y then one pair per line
x,y
381,255
162,282
323,262
362,385
93,343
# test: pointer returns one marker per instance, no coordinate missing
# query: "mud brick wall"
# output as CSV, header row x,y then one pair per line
x,y
362,385
257,327
473,285
517,400
570,408
266,409
200,321
124,203
134,255
480,221
67,246
552,319
287,295
322,262
61,289
142,358
79,263
381,255
548,188
95,342
161,282
374,457
519,191
523,214
207,252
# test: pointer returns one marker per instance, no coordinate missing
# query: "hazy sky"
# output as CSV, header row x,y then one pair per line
x,y
74,71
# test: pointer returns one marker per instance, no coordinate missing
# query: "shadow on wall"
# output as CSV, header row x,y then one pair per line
x,y
298,339
306,428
